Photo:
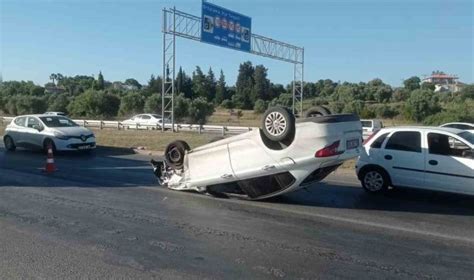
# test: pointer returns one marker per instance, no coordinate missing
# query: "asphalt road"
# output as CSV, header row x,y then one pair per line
x,y
102,216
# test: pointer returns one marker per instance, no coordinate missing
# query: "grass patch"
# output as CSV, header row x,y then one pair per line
x,y
223,117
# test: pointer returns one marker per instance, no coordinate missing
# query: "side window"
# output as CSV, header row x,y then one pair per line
x,y
377,144
32,121
464,127
21,121
445,145
145,117
409,141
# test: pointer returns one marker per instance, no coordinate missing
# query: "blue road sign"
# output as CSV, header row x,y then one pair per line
x,y
225,28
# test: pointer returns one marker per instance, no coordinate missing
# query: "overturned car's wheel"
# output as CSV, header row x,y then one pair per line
x,y
317,111
278,124
175,152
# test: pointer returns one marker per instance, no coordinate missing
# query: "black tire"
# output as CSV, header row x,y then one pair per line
x,y
317,111
374,180
9,143
175,152
48,142
278,124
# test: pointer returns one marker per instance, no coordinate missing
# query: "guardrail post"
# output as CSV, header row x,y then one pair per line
x,y
84,123
118,125
199,129
101,124
223,130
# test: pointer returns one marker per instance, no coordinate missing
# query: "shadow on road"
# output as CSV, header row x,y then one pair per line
x,y
103,167
332,195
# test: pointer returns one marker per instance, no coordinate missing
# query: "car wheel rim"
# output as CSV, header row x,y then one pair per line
x,y
275,123
373,181
174,154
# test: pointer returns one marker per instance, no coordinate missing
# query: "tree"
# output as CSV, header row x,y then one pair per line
x,y
260,89
133,83
260,106
132,103
94,103
100,81
412,83
211,85
184,84
400,94
244,86
428,86
421,104
153,104
154,84
181,106
383,94
199,84
199,110
53,77
221,89
58,103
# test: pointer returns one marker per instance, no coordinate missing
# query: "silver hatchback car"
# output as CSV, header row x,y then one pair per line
x,y
40,131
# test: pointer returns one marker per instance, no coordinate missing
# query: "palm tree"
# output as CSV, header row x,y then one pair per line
x,y
53,77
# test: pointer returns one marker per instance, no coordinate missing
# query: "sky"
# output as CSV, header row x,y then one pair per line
x,y
344,40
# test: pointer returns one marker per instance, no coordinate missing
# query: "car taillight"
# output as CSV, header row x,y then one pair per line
x,y
370,137
329,151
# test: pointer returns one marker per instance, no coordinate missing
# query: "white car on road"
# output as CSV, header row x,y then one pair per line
x,y
433,158
370,126
281,157
144,121
460,125
40,131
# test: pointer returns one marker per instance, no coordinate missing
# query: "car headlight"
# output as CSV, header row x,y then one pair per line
x,y
61,136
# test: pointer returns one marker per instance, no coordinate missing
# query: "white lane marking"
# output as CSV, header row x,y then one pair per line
x,y
332,217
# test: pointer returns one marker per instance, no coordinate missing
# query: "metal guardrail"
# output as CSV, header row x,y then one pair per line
x,y
223,130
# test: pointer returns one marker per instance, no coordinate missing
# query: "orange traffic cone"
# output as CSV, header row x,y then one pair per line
x,y
50,166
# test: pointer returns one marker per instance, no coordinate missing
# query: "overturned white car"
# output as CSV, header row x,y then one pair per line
x,y
283,156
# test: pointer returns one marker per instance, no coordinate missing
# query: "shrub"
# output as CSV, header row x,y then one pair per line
x,y
228,104
386,112
421,104
132,103
153,104
199,110
260,106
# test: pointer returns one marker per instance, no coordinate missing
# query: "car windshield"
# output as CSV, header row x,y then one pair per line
x,y
58,121
366,123
469,136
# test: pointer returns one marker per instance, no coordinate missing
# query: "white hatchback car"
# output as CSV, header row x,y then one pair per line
x,y
40,131
432,158
281,157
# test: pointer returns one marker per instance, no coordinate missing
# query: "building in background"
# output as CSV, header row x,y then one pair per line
x,y
443,82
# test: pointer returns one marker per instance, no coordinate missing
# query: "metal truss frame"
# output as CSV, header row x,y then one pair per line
x,y
178,23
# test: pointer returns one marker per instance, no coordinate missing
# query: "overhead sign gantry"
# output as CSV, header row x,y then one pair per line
x,y
225,28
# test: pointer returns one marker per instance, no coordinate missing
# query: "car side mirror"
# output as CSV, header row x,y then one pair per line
x,y
468,154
